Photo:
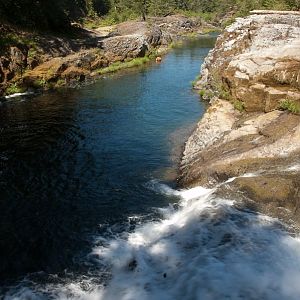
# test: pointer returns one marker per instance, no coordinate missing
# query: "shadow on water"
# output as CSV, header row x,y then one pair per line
x,y
76,160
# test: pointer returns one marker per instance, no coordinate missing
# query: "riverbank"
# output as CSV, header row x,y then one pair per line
x,y
32,61
251,130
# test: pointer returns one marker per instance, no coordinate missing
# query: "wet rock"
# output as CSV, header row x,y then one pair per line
x,y
132,265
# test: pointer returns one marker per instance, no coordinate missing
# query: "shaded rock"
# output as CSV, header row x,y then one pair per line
x,y
154,36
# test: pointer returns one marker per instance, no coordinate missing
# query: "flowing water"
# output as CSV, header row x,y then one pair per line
x,y
89,208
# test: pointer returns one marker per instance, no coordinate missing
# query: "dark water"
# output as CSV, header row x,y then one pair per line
x,y
77,161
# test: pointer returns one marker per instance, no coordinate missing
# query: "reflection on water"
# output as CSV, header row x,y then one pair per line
x,y
76,160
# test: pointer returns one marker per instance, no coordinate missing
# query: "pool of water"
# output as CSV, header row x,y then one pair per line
x,y
79,163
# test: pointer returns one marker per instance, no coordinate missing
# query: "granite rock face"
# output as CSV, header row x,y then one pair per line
x,y
255,62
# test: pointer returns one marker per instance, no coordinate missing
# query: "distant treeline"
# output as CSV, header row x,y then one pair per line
x,y
58,14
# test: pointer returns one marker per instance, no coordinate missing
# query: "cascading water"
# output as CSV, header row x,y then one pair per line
x,y
205,249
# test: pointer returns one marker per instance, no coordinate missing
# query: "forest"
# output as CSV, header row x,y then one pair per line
x,y
58,15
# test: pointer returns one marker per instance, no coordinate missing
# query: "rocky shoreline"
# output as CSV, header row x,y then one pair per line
x,y
45,62
251,130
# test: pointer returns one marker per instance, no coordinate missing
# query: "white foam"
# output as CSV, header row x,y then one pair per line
x,y
207,249
18,95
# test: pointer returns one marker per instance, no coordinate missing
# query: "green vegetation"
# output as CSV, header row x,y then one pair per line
x,y
124,65
15,39
14,89
40,83
290,105
206,94
239,105
194,82
58,15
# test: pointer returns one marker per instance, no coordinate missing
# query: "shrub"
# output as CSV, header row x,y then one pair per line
x,y
239,105
14,89
290,106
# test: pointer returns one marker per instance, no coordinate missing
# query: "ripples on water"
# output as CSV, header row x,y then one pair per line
x,y
82,169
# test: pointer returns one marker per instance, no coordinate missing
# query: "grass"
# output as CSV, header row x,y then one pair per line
x,y
290,106
206,94
208,30
114,67
194,82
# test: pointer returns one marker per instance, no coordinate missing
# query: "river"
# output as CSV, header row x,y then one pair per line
x,y
89,208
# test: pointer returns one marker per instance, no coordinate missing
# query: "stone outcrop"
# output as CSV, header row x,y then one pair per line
x,y
68,62
257,56
255,63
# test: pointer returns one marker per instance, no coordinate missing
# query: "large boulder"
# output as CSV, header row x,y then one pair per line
x,y
122,47
257,59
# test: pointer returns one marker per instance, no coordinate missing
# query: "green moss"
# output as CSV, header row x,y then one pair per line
x,y
202,93
60,83
290,106
14,89
114,67
239,105
39,83
32,52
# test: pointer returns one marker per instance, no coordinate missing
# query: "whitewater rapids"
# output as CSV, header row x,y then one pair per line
x,y
206,249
